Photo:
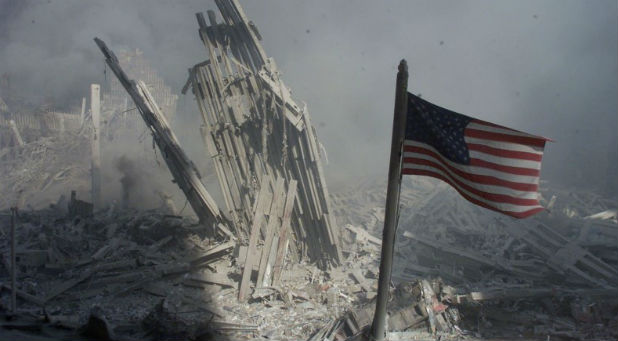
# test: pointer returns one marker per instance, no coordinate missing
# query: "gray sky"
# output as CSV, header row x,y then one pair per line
x,y
545,67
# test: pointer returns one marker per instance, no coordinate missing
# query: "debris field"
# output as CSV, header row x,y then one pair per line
x,y
280,257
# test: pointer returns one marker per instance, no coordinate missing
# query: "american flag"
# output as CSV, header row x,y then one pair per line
x,y
491,166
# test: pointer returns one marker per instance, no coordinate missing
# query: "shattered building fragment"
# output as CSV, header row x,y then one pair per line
x,y
182,168
266,156
255,133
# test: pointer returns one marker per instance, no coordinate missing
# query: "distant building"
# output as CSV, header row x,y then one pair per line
x,y
137,68
44,119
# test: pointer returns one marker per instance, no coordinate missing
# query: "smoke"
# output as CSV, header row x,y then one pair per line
x,y
130,177
47,45
544,67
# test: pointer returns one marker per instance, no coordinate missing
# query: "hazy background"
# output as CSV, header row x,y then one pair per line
x,y
546,67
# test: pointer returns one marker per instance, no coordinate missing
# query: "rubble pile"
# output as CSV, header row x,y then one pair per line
x,y
104,267
149,275
466,243
123,262
155,276
551,275
362,204
418,308
46,165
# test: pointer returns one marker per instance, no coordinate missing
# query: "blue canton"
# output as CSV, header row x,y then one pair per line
x,y
439,128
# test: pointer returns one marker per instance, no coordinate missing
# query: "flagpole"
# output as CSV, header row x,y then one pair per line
x,y
391,212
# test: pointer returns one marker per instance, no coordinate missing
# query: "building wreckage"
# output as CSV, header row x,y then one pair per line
x,y
272,262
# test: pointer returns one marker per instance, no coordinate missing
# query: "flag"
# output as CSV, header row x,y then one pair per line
x,y
490,165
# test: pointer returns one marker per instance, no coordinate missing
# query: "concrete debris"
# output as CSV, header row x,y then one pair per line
x,y
414,305
127,262
79,264
476,274
79,208
49,165
605,215
157,276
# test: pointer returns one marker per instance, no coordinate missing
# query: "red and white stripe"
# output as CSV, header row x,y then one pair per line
x,y
503,174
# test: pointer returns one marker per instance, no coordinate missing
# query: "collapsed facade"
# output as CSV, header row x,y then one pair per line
x,y
256,133
263,146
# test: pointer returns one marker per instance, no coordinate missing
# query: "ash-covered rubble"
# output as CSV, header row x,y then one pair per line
x,y
277,218
46,165
122,262
148,275
551,276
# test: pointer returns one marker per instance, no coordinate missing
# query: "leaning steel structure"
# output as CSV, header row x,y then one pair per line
x,y
256,133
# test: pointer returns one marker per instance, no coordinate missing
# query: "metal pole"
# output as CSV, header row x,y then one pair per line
x,y
95,143
20,140
13,263
391,214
